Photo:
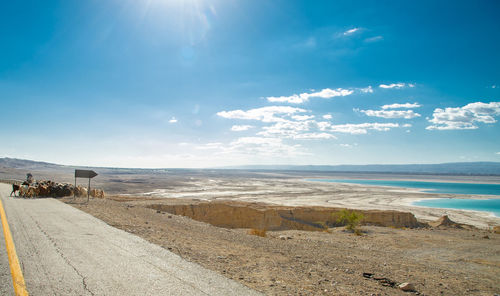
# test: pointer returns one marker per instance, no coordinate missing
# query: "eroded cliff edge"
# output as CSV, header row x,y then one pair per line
x,y
234,214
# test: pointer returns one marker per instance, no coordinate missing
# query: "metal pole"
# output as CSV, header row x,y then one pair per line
x,y
74,191
88,192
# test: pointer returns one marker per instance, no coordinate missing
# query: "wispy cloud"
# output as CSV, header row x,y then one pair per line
x,y
327,116
264,114
399,106
209,146
173,120
309,43
368,89
240,128
302,117
374,39
406,114
465,117
261,146
348,145
314,136
303,97
351,31
396,85
385,113
362,128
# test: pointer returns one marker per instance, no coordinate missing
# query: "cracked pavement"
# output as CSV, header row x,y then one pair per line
x,y
64,251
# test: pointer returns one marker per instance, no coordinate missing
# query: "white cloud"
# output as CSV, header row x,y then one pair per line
x,y
303,97
406,125
302,117
356,128
323,125
240,128
396,85
374,39
264,114
465,117
173,120
406,114
362,128
327,116
313,136
351,31
498,153
295,130
368,89
405,105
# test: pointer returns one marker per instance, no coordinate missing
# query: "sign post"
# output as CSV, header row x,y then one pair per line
x,y
85,174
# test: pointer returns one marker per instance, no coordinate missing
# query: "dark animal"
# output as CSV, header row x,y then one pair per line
x,y
15,188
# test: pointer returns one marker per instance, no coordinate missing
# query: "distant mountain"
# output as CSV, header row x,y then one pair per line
x,y
15,163
455,168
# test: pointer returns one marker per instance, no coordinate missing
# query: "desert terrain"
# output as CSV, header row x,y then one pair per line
x,y
175,209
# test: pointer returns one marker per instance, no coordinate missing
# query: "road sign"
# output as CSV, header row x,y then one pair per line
x,y
85,174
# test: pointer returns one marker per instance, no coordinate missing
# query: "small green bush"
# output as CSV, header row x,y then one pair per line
x,y
350,219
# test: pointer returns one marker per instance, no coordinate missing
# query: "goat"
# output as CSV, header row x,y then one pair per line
x,y
23,190
15,188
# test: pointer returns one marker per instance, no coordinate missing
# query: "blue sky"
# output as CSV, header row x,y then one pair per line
x,y
171,83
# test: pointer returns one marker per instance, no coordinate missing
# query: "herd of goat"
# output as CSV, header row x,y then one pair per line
x,y
52,189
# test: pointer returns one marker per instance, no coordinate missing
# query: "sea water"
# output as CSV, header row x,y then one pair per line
x,y
488,205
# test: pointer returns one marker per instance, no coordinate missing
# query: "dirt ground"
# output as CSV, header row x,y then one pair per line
x,y
436,261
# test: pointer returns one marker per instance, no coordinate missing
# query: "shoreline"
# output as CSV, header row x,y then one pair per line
x,y
411,203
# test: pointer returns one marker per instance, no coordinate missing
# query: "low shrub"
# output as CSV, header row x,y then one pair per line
x,y
351,220
258,232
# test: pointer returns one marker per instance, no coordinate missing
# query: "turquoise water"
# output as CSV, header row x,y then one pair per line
x,y
488,205
431,187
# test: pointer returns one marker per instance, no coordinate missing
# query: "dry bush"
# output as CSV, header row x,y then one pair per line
x,y
258,232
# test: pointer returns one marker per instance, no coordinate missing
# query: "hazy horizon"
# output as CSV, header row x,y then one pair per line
x,y
200,84
264,166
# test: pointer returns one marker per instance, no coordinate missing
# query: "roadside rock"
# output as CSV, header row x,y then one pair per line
x,y
407,287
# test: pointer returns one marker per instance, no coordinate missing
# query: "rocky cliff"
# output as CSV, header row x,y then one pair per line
x,y
231,214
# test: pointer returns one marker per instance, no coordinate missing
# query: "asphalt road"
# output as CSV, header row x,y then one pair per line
x,y
64,251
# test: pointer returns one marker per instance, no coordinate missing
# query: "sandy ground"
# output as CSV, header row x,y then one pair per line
x,y
443,261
